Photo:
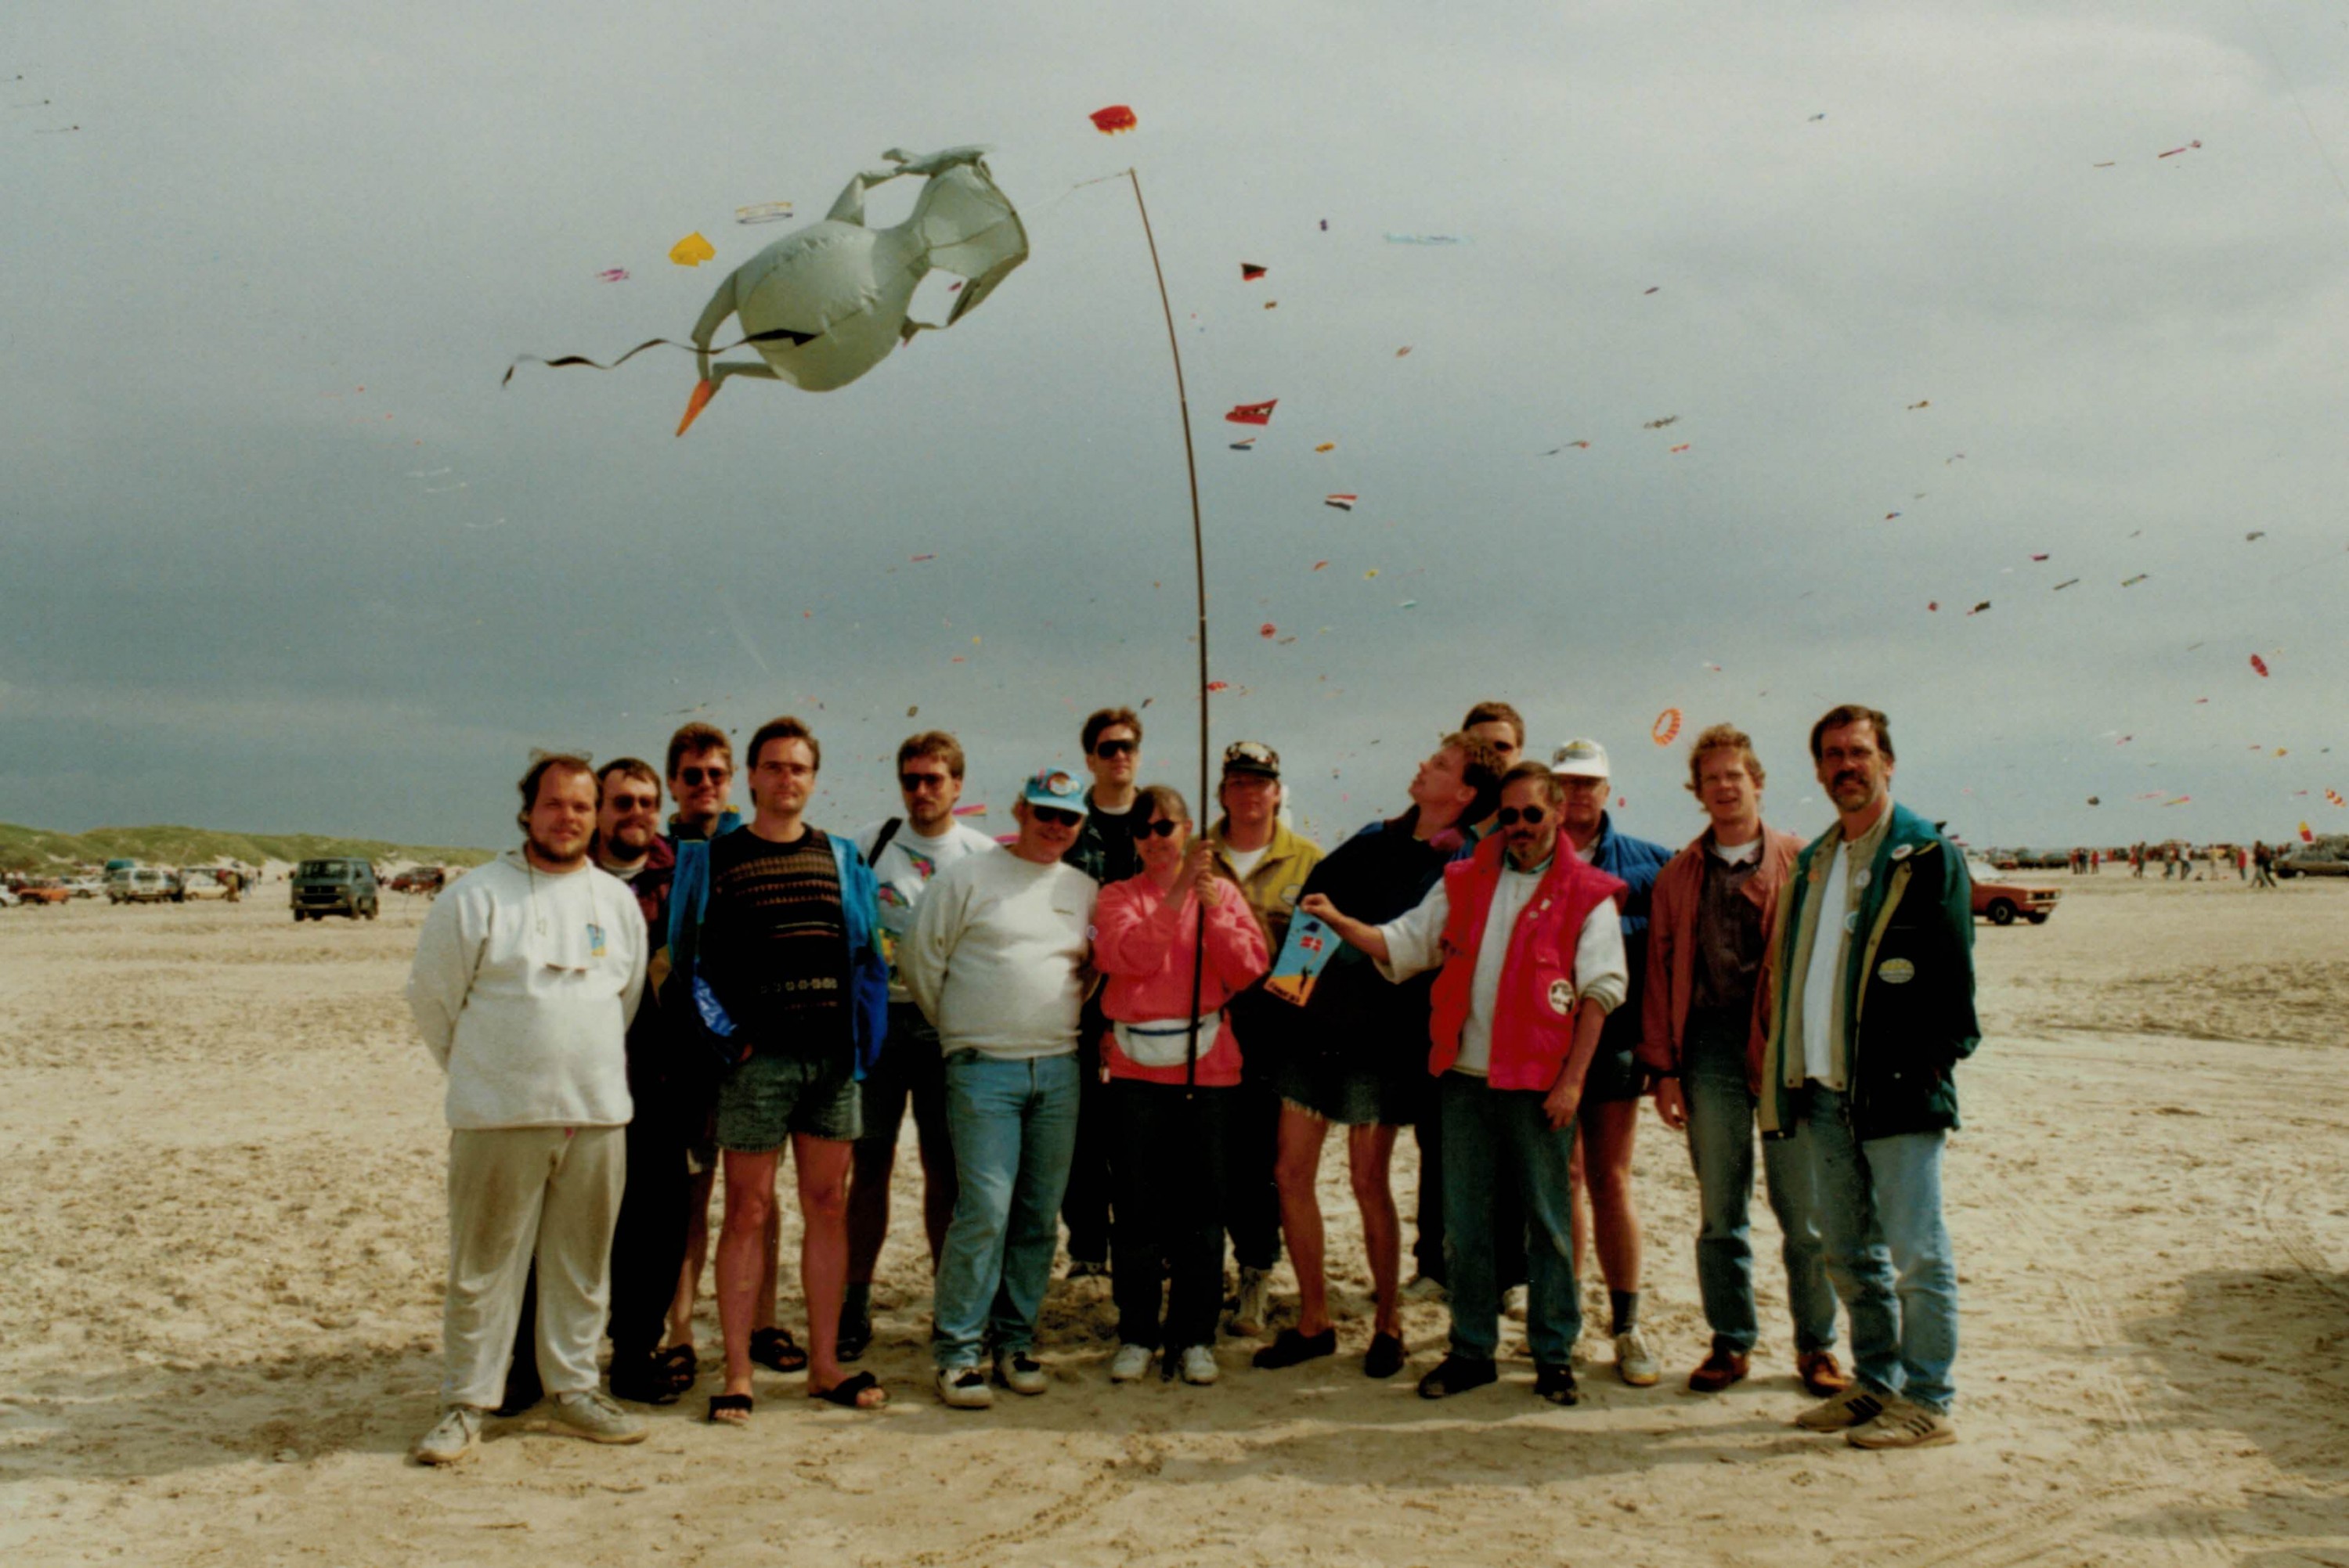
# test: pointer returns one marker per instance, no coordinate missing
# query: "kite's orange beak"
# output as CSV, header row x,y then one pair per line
x,y
702,392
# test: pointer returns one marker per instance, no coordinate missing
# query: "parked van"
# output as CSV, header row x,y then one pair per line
x,y
337,886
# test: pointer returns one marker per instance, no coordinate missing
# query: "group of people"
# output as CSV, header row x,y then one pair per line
x,y
1078,1020
2254,863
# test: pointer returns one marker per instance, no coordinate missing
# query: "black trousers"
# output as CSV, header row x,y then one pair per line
x,y
1176,1177
1508,1213
1085,1206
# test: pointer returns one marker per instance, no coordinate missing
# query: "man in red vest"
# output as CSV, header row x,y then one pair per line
x,y
1515,1027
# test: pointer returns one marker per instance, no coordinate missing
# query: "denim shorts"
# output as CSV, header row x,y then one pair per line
x,y
767,1099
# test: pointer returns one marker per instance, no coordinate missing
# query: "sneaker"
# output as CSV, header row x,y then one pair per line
x,y
1901,1425
1513,1303
1199,1365
1129,1363
1019,1372
596,1416
1719,1370
1635,1359
452,1437
1086,1268
1423,1288
965,1388
1254,1307
1856,1406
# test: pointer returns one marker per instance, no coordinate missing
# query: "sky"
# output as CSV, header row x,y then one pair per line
x,y
281,554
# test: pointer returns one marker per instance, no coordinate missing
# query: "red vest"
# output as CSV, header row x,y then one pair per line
x,y
1532,1009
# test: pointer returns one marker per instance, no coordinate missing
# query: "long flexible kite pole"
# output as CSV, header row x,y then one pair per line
x,y
1199,566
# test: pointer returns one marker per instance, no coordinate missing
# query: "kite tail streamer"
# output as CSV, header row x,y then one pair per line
x,y
780,335
1199,567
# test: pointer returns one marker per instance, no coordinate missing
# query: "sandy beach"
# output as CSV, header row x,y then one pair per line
x,y
221,1153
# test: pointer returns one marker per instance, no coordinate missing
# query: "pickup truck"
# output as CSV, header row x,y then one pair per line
x,y
2000,901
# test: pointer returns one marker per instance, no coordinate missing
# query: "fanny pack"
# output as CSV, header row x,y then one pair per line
x,y
1164,1042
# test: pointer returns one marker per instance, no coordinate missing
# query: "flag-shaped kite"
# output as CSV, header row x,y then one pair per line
x,y
1116,117
1250,272
1252,413
1343,502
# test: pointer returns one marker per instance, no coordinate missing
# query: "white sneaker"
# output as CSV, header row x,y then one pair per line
x,y
1019,1372
1199,1365
452,1437
1129,1364
1901,1425
1254,1304
1423,1288
595,1415
1513,1303
1635,1359
965,1388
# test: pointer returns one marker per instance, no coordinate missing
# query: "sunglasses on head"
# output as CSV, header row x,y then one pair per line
x,y
1053,817
1109,748
909,782
697,774
1510,816
1163,828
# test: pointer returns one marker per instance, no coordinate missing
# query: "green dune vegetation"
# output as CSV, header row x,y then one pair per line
x,y
37,850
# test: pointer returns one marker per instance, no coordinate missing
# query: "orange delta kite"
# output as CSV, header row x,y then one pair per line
x,y
1667,727
1252,413
2259,664
1116,117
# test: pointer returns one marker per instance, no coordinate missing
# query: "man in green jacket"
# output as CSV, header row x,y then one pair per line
x,y
1872,1007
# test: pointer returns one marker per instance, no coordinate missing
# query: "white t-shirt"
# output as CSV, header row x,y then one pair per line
x,y
1245,862
1826,972
1747,852
996,957
905,868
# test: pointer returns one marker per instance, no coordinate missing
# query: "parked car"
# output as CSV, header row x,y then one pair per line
x,y
2000,901
203,881
86,887
2312,860
145,884
8,898
43,890
337,886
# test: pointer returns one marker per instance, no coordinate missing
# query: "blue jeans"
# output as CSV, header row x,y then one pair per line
x,y
1014,1126
1498,1140
1879,1213
1720,1147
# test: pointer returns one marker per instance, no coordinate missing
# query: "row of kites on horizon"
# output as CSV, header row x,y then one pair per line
x,y
826,304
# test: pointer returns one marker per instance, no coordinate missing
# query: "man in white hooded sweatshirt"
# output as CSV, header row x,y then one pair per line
x,y
526,974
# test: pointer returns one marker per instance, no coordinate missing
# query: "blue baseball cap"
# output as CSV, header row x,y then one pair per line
x,y
1056,788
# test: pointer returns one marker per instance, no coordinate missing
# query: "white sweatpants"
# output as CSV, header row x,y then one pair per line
x,y
514,1193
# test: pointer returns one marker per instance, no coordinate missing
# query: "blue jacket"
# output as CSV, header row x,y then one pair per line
x,y
860,913
1637,862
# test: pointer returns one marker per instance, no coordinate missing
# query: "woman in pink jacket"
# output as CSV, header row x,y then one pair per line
x,y
1173,1092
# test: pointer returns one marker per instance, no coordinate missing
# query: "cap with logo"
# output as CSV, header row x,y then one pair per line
x,y
1056,788
1580,759
1251,758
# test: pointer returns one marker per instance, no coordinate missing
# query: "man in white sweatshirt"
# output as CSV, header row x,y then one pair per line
x,y
525,978
997,962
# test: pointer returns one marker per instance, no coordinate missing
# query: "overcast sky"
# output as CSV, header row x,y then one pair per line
x,y
279,553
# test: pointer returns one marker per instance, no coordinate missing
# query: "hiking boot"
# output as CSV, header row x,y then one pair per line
x,y
1129,1363
452,1437
1254,1307
1019,1372
1718,1371
1635,1359
1901,1425
593,1415
965,1388
1822,1373
1199,1365
1856,1406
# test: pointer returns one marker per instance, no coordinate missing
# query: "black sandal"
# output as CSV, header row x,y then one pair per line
x,y
679,1361
1455,1374
775,1349
844,1392
722,1405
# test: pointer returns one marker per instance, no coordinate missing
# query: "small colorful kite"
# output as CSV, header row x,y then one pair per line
x,y
1682,447
2306,836
763,212
1660,424
1891,515
1404,350
1219,685
692,251
979,810
612,275
2094,800
1978,608
1116,117
1921,403
1250,272
1667,727
1252,413
1650,291
1268,630
2335,796
2039,558
1245,444
2175,150
1327,447
930,557
1343,502
2255,533
2259,665
2133,582
2067,583
1319,564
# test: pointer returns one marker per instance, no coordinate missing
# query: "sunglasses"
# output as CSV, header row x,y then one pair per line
x,y
699,775
1162,829
1109,748
909,782
635,802
1053,817
1509,816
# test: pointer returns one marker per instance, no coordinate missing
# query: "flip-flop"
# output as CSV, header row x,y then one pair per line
x,y
722,1409
775,1349
679,1361
844,1392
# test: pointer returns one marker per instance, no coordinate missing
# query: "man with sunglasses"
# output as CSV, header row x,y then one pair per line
x,y
905,853
1104,851
1530,955
998,961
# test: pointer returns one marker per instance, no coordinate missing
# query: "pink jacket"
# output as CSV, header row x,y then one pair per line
x,y
1143,944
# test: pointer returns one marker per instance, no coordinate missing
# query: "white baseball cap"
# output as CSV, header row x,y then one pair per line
x,y
1580,759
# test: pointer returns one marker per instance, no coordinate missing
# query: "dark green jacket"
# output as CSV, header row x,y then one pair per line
x,y
1909,999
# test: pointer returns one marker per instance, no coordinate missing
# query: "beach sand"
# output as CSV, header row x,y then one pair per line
x,y
222,1155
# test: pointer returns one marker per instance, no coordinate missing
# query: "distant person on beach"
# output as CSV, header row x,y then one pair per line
x,y
523,984
1871,989
996,961
1715,907
905,853
1530,949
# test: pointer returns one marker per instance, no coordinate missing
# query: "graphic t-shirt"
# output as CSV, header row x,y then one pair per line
x,y
774,945
904,870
